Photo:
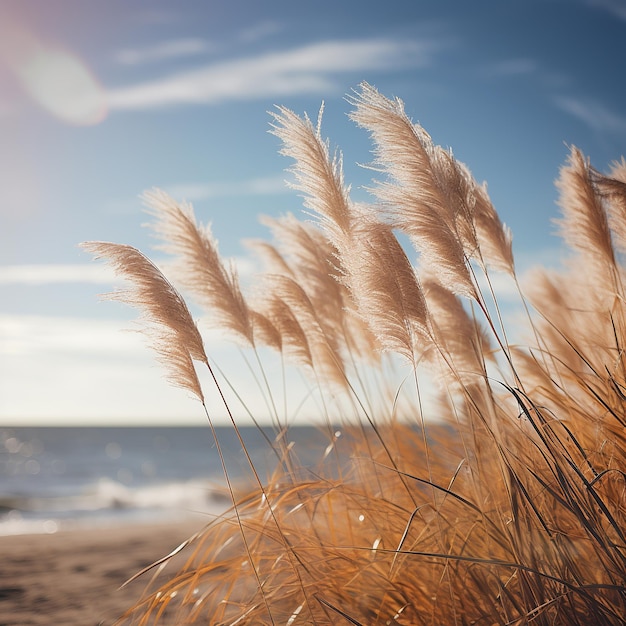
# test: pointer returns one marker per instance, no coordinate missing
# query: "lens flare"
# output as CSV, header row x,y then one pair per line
x,y
60,83
56,79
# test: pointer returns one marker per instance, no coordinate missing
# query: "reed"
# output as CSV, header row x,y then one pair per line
x,y
503,502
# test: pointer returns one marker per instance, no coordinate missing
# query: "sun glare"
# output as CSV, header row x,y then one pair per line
x,y
57,80
61,83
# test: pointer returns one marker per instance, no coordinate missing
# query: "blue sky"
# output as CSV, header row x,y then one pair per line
x,y
175,95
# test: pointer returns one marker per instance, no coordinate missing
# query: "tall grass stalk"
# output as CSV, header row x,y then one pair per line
x,y
503,501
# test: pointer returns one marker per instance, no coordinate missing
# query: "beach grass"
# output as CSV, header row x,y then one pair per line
x,y
499,498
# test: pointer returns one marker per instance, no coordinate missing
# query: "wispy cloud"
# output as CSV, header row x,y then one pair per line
x,y
617,8
164,51
259,31
593,113
509,67
96,273
47,274
306,69
197,191
35,334
262,186
32,334
61,370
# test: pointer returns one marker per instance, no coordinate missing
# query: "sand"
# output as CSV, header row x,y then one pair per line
x,y
73,577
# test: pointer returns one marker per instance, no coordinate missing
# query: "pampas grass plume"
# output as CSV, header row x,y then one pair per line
x,y
499,501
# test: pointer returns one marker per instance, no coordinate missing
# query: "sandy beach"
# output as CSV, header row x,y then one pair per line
x,y
73,577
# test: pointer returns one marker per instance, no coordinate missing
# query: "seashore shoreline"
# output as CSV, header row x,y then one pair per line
x,y
73,577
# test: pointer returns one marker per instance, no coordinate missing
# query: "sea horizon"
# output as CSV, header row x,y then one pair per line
x,y
55,478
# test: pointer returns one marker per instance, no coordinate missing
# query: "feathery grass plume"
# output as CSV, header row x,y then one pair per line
x,y
326,359
317,175
613,190
587,321
483,236
265,331
312,259
495,239
320,178
584,224
168,323
200,266
272,259
618,170
570,330
412,195
425,180
385,289
560,334
508,508
461,344
584,385
294,339
307,256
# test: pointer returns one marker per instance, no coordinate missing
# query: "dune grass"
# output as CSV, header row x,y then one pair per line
x,y
501,503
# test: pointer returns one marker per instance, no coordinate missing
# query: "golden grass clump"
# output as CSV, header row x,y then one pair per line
x,y
502,501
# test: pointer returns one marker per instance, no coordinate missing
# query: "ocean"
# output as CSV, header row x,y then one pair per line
x,y
59,478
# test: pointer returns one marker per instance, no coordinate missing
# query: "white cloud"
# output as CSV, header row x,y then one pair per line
x,y
57,370
98,273
46,274
262,186
307,69
593,113
163,51
30,335
64,370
